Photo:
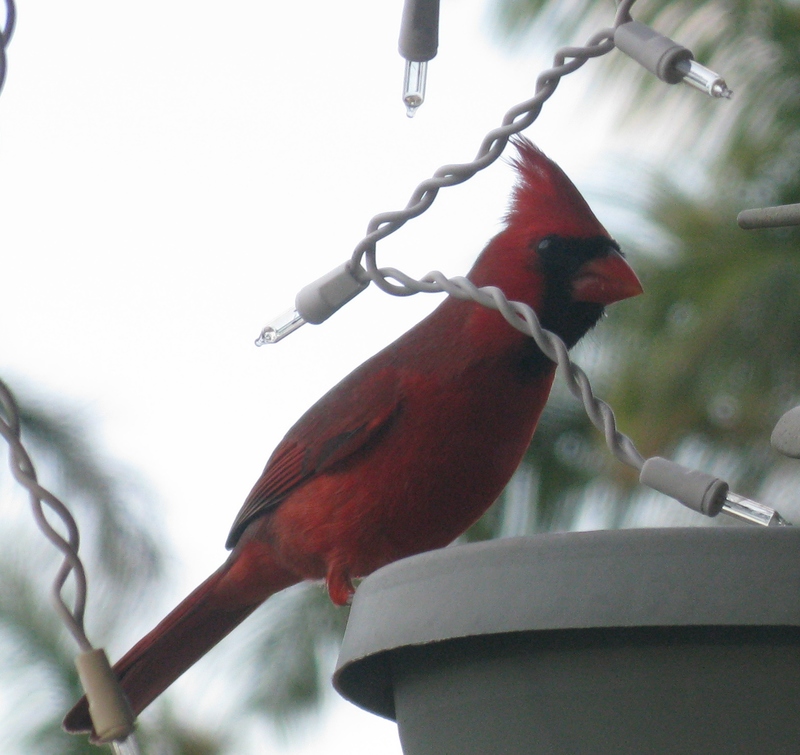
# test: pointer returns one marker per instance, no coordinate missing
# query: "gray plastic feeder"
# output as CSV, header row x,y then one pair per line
x,y
632,641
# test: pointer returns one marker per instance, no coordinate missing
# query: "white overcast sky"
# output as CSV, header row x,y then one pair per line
x,y
172,172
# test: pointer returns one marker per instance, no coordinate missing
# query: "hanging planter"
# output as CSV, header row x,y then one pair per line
x,y
632,641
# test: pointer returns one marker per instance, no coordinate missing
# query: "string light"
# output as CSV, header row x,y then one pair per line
x,y
670,62
351,280
111,715
109,709
418,44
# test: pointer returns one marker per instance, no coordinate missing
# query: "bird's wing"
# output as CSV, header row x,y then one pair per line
x,y
347,419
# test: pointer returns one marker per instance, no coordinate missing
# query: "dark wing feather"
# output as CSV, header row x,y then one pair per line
x,y
347,419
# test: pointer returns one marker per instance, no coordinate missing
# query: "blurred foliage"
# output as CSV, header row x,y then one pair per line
x,y
299,635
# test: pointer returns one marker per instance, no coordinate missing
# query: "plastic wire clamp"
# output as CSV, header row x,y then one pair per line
x,y
111,714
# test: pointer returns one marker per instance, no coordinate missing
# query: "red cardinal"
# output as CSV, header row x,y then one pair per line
x,y
413,446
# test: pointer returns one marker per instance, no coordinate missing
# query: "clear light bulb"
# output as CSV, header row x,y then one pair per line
x,y
752,511
280,327
317,301
127,746
416,74
702,78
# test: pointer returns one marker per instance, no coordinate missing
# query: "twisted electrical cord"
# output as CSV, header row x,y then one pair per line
x,y
115,722
566,60
524,319
5,37
25,474
697,490
517,119
112,719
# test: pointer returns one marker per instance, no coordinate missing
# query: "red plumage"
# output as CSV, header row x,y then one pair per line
x,y
413,446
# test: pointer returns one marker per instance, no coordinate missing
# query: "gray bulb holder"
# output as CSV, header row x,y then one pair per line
x,y
317,301
419,30
657,53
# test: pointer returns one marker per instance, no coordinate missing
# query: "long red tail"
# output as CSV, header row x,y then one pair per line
x,y
207,615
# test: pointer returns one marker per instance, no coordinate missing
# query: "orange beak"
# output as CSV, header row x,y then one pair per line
x,y
605,280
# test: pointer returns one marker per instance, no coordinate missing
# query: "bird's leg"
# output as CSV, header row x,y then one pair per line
x,y
340,587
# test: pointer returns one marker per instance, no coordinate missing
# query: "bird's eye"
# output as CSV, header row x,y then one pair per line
x,y
544,245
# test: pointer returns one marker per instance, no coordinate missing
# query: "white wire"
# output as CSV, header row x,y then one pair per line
x,y
524,319
515,120
518,314
5,37
25,474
